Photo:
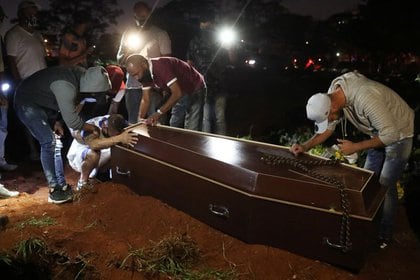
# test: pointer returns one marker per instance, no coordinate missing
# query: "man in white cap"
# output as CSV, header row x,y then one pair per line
x,y
39,100
378,112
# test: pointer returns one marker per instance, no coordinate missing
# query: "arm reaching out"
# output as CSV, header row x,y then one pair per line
x,y
317,139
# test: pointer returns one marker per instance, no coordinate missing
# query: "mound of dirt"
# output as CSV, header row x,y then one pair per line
x,y
96,232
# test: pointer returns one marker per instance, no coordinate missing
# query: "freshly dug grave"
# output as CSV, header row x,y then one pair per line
x,y
99,235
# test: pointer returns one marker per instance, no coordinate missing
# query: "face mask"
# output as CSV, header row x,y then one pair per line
x,y
31,22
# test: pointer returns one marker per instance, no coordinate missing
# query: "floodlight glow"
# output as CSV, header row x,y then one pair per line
x,y
251,61
227,36
133,41
5,87
337,54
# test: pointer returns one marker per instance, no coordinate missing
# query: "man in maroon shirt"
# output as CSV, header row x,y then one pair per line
x,y
185,84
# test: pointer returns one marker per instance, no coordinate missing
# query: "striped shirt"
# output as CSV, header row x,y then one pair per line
x,y
374,108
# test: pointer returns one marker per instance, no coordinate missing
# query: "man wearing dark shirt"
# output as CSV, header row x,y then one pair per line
x,y
185,84
49,92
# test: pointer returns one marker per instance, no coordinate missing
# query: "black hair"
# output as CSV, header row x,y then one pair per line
x,y
207,16
141,4
117,122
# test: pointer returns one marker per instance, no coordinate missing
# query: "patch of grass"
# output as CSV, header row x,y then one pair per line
x,y
5,258
173,256
86,268
31,246
210,274
37,222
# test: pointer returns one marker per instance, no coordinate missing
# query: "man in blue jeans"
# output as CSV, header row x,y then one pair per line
x,y
378,112
148,40
49,92
212,59
184,83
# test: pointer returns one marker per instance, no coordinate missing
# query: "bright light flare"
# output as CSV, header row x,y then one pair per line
x,y
227,36
224,150
5,87
251,62
133,41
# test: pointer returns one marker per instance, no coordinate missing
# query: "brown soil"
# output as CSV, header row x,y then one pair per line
x,y
105,223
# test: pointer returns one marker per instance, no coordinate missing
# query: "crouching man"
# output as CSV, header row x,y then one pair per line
x,y
40,99
90,152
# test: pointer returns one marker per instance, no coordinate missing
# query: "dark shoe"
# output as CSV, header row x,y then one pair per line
x,y
7,166
60,194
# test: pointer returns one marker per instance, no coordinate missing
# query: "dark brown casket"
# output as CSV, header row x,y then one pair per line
x,y
257,192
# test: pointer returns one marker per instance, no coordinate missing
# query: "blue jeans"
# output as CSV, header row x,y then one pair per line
x,y
388,163
3,132
214,119
36,120
132,103
188,111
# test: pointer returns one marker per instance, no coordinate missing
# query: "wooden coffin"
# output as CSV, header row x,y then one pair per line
x,y
259,193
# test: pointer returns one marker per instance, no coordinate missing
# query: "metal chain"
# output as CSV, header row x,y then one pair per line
x,y
344,238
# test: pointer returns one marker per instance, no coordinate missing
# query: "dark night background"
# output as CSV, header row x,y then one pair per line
x,y
298,47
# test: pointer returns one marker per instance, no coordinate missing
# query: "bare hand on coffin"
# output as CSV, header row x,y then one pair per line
x,y
129,138
153,119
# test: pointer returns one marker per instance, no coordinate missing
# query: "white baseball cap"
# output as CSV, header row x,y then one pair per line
x,y
318,109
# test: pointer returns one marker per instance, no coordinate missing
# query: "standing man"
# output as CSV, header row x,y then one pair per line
x,y
185,84
149,41
211,59
89,153
4,104
380,113
73,48
26,52
49,92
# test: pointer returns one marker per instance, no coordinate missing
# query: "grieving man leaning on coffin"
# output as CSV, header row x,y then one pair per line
x,y
378,112
185,84
90,152
42,97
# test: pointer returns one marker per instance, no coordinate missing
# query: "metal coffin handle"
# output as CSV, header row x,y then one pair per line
x,y
219,210
122,172
342,248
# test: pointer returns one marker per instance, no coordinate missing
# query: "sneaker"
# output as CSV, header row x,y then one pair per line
x,y
81,185
4,193
60,194
7,166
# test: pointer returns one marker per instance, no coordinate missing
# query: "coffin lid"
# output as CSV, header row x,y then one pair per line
x,y
242,165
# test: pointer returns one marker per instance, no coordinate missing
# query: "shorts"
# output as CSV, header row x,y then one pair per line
x,y
77,154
